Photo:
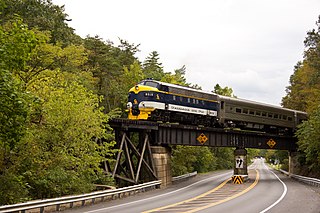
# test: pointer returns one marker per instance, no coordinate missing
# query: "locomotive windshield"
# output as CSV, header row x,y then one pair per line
x,y
150,83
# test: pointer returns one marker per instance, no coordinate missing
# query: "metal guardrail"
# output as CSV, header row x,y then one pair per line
x,y
307,180
113,194
182,177
71,200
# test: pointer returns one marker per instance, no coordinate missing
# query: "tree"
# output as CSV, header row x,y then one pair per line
x,y
304,90
107,64
309,141
190,158
303,93
65,155
226,91
152,68
43,15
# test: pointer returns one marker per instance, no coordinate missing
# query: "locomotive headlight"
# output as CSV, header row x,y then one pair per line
x,y
136,88
129,105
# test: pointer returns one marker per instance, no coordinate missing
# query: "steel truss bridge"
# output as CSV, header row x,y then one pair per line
x,y
135,140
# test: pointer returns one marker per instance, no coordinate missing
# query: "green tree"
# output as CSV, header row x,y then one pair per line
x,y
226,91
192,158
152,68
309,141
66,159
304,90
107,64
43,15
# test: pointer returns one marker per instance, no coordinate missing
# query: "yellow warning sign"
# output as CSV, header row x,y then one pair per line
x,y
271,143
237,179
202,138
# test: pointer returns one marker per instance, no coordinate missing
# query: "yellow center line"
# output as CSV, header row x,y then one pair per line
x,y
229,198
213,190
191,199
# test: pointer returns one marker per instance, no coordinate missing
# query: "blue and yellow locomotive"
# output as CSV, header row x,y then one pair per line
x,y
159,101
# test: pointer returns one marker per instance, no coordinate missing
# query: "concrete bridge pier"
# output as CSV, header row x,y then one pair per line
x,y
292,162
162,161
240,162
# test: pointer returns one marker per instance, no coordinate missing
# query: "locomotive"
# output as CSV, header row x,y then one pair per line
x,y
160,101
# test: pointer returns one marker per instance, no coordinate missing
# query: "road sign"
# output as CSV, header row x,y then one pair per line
x,y
237,179
239,162
271,143
202,138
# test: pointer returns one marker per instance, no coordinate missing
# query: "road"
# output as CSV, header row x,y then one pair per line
x,y
266,191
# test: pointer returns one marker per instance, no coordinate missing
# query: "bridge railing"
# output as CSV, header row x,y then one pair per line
x,y
71,200
307,180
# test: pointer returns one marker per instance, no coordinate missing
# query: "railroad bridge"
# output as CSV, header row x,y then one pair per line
x,y
145,147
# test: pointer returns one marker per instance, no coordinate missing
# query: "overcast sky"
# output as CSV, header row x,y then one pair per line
x,y
248,45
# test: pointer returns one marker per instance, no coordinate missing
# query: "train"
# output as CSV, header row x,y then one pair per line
x,y
164,102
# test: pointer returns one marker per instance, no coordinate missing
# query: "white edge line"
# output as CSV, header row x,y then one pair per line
x,y
161,195
282,196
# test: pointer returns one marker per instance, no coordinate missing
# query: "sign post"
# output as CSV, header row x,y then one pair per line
x,y
240,165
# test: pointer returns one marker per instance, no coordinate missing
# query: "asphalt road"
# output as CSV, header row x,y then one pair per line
x,y
266,191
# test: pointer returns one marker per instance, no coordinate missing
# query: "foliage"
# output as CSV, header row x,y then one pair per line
x,y
188,159
226,91
303,93
43,15
309,140
152,68
304,90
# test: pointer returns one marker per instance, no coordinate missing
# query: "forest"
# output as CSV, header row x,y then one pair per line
x,y
58,91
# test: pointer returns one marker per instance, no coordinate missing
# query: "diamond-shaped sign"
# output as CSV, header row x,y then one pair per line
x,y
271,143
202,138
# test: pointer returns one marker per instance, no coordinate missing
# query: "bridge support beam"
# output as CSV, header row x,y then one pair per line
x,y
162,160
240,162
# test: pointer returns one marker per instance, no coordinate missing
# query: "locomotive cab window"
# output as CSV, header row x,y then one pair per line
x,y
251,112
284,117
238,110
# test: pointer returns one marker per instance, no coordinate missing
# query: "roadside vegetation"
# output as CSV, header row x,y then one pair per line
x,y
58,91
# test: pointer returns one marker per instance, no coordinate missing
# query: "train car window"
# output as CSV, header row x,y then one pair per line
x,y
202,102
174,97
181,98
258,113
193,100
164,88
188,99
222,104
289,118
238,110
270,115
197,101
245,111
251,112
264,114
276,116
284,117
